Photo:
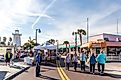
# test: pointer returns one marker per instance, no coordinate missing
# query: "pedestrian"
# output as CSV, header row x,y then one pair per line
x,y
92,61
8,57
38,61
82,60
68,61
75,61
101,59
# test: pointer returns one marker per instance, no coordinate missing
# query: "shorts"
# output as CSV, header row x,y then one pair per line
x,y
7,60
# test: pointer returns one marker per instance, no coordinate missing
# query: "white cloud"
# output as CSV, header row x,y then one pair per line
x,y
43,12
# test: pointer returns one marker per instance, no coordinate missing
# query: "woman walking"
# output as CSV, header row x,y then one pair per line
x,y
68,61
75,61
92,61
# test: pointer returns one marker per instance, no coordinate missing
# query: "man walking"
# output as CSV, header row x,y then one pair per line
x,y
101,59
8,57
82,60
38,61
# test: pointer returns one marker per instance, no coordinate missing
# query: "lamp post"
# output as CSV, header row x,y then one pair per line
x,y
36,34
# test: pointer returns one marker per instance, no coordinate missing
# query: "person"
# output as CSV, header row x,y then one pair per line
x,y
45,56
101,59
82,60
75,61
8,57
38,61
67,61
92,61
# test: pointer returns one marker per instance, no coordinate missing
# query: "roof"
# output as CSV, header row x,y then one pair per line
x,y
105,34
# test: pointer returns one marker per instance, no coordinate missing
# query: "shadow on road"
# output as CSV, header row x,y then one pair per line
x,y
47,68
48,78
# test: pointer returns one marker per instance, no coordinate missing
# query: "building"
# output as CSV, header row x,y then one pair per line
x,y
109,42
17,38
3,50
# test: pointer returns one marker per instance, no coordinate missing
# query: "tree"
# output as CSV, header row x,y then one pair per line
x,y
10,40
66,43
51,41
4,40
30,44
75,34
80,33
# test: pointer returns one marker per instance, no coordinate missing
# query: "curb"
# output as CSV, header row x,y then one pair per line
x,y
16,74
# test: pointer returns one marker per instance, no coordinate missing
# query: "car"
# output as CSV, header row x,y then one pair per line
x,y
2,58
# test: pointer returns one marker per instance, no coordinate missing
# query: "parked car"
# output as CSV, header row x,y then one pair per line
x,y
2,58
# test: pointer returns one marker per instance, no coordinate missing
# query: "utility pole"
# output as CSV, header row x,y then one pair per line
x,y
87,30
117,26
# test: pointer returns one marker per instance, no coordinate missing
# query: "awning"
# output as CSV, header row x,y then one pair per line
x,y
94,44
71,46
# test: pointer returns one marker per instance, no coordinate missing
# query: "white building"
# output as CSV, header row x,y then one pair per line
x,y
17,38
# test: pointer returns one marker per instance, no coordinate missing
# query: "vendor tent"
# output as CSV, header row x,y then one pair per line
x,y
39,47
50,47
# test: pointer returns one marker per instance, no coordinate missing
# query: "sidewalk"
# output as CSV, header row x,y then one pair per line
x,y
114,69
7,72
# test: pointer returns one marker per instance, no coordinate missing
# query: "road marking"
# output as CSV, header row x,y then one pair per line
x,y
61,75
61,72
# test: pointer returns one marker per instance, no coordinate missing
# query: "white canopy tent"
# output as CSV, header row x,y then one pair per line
x,y
50,47
39,47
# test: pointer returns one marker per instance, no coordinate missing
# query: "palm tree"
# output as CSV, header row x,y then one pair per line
x,y
75,33
51,41
4,40
10,39
80,33
9,42
66,43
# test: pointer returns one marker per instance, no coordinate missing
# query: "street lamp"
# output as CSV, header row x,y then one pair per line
x,y
36,34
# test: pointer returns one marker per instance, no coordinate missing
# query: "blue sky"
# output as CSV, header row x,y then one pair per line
x,y
58,18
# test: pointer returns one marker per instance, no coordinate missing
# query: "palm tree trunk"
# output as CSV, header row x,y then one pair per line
x,y
80,39
66,48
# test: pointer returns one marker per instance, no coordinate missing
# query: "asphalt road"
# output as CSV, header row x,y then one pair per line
x,y
57,73
47,73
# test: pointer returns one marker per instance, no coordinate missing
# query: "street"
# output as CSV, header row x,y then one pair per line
x,y
57,73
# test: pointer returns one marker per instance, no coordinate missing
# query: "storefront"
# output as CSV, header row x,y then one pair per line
x,y
107,42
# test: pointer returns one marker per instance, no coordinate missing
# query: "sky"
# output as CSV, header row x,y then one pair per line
x,y
57,19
